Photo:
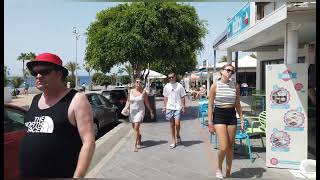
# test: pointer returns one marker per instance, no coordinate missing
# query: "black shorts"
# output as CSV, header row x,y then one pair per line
x,y
225,116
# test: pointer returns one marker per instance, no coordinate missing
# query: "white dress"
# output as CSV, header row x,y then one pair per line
x,y
137,108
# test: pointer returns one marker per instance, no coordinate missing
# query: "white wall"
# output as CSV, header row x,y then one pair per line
x,y
7,94
268,8
278,4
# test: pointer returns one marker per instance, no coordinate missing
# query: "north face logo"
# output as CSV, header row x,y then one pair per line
x,y
43,124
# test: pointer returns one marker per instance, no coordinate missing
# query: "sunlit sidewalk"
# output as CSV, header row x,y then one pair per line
x,y
194,159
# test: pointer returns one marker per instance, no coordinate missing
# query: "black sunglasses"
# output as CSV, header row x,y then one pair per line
x,y
171,77
138,82
229,70
43,72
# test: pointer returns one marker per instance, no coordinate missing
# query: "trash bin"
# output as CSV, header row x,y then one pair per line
x,y
147,117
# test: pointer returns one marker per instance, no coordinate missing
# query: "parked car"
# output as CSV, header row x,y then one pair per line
x,y
104,112
117,95
14,130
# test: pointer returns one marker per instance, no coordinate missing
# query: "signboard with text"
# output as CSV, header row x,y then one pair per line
x,y
287,118
239,22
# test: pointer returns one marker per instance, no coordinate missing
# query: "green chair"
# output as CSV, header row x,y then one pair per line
x,y
261,129
256,101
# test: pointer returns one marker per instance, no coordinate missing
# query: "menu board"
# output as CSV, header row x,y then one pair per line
x,y
287,118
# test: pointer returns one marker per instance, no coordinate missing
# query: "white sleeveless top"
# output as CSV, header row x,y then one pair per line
x,y
137,107
225,94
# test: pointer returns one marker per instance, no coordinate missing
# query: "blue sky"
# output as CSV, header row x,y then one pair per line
x,y
46,26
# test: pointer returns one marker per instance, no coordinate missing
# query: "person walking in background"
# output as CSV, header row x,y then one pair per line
x,y
244,89
60,140
26,88
83,87
202,92
137,99
225,96
174,103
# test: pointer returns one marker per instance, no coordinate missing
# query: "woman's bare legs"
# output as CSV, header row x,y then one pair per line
x,y
229,155
223,139
136,130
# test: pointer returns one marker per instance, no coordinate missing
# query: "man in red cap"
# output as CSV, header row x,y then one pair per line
x,y
60,140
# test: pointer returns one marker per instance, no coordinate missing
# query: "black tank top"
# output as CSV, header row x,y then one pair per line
x,y
52,144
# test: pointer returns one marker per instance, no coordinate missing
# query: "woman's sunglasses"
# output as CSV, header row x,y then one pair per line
x,y
43,72
229,70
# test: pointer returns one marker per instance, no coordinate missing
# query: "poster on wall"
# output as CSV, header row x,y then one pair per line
x,y
287,118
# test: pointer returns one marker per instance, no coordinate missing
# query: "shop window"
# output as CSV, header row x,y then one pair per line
x,y
260,10
301,59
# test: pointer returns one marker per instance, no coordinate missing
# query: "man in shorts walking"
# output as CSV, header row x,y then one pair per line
x,y
174,103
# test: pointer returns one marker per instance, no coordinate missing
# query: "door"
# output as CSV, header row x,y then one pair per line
x,y
110,112
101,112
14,130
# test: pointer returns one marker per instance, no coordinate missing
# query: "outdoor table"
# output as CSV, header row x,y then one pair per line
x,y
263,99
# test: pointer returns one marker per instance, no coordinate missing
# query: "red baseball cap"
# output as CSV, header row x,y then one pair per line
x,y
48,58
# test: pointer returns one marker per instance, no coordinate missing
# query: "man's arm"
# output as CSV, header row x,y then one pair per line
x,y
164,104
183,100
84,121
165,100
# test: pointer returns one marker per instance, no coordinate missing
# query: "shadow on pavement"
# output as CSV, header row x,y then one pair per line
x,y
149,143
190,143
258,149
249,173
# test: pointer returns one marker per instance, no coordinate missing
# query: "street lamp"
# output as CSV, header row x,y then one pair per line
x,y
76,33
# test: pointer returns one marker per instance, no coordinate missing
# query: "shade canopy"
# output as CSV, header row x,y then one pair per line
x,y
154,75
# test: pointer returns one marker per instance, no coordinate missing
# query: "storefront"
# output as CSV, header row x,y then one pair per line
x,y
279,33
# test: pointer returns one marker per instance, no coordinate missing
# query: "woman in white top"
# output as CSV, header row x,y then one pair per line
x,y
225,96
137,99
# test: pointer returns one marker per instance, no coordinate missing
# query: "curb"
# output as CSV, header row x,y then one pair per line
x,y
107,146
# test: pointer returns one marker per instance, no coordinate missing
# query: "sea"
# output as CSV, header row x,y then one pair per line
x,y
32,81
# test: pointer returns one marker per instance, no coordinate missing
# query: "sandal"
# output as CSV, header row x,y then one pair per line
x,y
219,175
135,149
173,145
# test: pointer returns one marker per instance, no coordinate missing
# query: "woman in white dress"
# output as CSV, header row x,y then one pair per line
x,y
137,99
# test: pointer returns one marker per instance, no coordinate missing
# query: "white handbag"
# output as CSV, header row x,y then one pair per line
x,y
125,111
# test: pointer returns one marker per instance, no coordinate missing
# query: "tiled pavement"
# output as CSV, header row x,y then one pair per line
x,y
194,159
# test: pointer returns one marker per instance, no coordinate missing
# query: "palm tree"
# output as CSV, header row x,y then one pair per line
x,y
88,69
16,81
129,70
25,57
224,59
72,66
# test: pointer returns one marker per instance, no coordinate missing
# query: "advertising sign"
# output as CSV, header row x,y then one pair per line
x,y
239,22
287,118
